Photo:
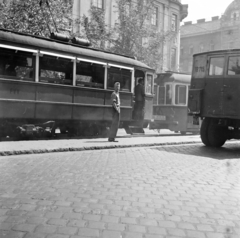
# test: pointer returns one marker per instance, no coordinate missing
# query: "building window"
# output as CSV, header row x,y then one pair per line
x,y
174,22
181,51
154,16
231,44
97,3
201,48
191,50
235,15
212,46
173,58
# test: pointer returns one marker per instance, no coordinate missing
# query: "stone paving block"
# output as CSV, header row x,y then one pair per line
x,y
176,232
116,226
67,230
48,229
6,226
57,236
148,222
3,211
96,225
75,216
128,220
54,215
12,234
77,223
136,228
154,236
157,230
88,232
35,235
90,217
24,227
57,222
16,219
133,235
110,219
202,227
195,234
111,234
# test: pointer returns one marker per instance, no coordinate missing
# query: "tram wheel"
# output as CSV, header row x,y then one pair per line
x,y
204,131
216,135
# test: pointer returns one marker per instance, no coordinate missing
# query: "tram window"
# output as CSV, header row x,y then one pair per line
x,y
56,70
149,84
90,75
123,76
216,66
180,95
17,64
168,94
234,65
161,95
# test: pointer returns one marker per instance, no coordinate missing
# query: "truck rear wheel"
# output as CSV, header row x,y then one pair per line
x,y
216,135
204,131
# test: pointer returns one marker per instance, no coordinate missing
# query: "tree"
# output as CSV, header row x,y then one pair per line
x,y
40,17
132,35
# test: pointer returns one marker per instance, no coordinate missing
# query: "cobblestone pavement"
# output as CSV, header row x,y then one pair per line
x,y
171,191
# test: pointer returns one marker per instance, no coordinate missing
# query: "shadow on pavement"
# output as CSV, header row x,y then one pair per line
x,y
228,151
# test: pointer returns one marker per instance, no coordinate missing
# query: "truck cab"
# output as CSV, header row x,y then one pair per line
x,y
214,95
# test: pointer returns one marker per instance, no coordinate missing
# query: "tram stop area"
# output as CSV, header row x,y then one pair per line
x,y
150,138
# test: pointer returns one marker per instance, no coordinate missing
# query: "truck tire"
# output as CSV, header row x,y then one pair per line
x,y
204,131
216,135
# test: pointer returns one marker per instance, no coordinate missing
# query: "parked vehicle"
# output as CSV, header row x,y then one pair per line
x,y
57,83
170,110
214,95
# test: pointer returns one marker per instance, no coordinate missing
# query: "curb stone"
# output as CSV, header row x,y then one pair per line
x,y
42,151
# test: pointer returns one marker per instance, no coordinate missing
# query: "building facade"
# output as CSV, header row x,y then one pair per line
x,y
219,33
166,16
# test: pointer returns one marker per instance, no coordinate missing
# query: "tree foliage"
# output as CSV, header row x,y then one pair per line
x,y
38,17
132,35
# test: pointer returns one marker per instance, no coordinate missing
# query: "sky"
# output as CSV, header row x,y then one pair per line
x,y
198,9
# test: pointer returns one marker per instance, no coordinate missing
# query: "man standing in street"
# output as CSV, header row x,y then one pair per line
x,y
139,100
116,112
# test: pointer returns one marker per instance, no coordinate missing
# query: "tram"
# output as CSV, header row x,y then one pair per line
x,y
170,109
214,95
55,83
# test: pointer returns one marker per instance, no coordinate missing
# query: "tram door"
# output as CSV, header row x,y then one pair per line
x,y
138,109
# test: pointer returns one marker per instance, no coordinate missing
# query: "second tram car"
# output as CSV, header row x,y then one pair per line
x,y
170,110
47,84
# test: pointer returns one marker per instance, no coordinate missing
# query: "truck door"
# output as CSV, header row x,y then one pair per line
x,y
213,89
231,86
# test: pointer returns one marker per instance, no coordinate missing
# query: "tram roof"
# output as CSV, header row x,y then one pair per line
x,y
174,77
37,42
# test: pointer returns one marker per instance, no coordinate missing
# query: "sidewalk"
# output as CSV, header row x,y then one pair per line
x,y
124,141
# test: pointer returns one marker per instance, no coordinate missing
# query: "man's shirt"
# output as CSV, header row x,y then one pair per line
x,y
115,100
